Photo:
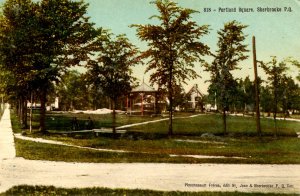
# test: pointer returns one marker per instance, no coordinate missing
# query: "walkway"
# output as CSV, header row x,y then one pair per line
x,y
155,121
7,147
167,177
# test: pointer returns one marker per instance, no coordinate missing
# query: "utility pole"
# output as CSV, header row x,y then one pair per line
x,y
258,129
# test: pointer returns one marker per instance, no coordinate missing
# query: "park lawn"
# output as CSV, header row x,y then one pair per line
x,y
211,123
51,190
41,151
236,126
245,150
61,121
151,143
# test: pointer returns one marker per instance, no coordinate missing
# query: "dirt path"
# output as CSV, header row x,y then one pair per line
x,y
167,177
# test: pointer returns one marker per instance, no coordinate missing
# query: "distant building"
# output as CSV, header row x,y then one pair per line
x,y
142,99
195,99
52,106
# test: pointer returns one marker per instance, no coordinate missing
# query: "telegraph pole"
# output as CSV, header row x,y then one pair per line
x,y
258,129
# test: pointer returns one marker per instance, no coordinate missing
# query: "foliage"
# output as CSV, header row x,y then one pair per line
x,y
5,83
40,39
281,89
230,52
249,90
97,98
296,64
179,96
266,99
112,68
16,34
173,47
290,101
276,72
73,91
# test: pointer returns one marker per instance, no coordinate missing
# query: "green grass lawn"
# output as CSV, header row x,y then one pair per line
x,y
237,126
149,143
267,151
62,121
51,191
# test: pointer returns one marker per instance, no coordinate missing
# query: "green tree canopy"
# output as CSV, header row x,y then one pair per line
x,y
231,50
73,91
276,72
112,68
173,47
41,39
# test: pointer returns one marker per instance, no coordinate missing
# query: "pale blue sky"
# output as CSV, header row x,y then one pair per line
x,y
277,34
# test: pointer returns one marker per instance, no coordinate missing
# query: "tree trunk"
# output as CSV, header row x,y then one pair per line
x,y
109,103
275,116
17,106
24,116
22,113
275,124
170,90
170,116
20,110
30,115
224,122
114,116
43,111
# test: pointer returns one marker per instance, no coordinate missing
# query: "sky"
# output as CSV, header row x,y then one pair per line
x,y
277,33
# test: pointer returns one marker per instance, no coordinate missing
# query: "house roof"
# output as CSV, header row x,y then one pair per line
x,y
143,88
195,90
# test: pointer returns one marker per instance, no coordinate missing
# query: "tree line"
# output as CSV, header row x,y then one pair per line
x,y
41,40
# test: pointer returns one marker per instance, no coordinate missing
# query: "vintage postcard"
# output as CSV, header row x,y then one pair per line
x,y
149,97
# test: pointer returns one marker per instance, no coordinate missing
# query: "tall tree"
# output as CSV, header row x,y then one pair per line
x,y
297,64
173,47
276,72
73,90
239,98
266,99
45,38
65,37
291,96
16,38
97,98
231,51
116,56
179,96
